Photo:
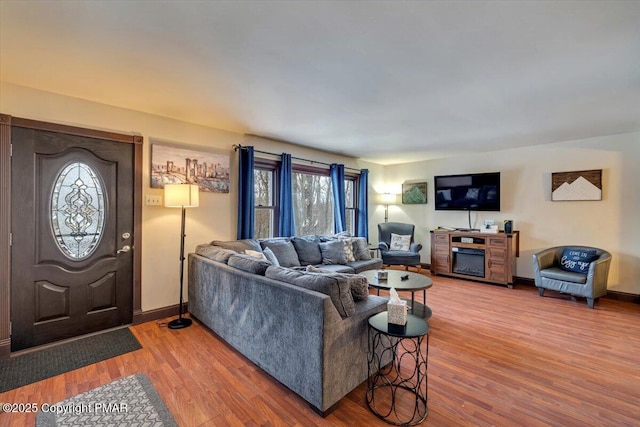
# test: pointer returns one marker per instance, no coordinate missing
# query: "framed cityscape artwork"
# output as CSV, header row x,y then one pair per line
x,y
180,164
414,193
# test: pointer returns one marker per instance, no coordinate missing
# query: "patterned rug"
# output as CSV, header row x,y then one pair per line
x,y
49,362
127,402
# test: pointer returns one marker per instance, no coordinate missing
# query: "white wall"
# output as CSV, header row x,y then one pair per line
x,y
214,219
611,224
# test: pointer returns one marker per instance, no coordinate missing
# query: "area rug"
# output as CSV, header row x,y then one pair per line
x,y
127,402
39,365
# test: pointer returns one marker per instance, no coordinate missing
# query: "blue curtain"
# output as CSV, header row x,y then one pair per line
x,y
336,173
246,197
286,220
362,222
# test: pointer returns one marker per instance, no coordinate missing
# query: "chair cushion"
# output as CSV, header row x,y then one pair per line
x,y
577,260
556,273
400,242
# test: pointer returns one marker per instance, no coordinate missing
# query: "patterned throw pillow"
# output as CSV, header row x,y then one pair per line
x,y
361,249
577,260
255,254
348,248
400,242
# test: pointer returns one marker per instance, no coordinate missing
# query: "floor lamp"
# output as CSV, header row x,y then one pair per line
x,y
181,196
387,199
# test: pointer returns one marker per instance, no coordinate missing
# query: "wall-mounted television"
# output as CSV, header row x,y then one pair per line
x,y
468,192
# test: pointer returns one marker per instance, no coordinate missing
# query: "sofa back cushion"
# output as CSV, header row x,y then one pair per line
x,y
283,250
215,253
333,252
249,263
238,245
361,249
358,284
337,288
307,249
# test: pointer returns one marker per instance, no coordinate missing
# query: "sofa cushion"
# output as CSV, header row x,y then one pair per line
x,y
556,273
577,260
333,252
366,264
358,284
283,250
337,288
400,242
215,253
337,268
307,249
249,264
271,257
238,245
361,248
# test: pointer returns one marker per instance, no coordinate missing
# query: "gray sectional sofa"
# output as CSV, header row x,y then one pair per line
x,y
303,322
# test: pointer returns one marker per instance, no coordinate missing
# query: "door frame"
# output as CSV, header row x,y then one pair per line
x,y
7,122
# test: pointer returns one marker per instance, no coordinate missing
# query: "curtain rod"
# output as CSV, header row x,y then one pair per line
x,y
237,147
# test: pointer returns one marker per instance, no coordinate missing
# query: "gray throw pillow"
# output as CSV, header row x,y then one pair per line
x,y
283,274
215,253
271,257
338,289
283,250
238,245
358,284
307,249
249,264
361,249
333,252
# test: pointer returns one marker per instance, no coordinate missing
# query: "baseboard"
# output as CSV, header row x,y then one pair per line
x,y
158,313
615,295
5,348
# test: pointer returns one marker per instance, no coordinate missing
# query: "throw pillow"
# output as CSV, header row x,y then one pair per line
x,y
283,250
361,249
255,254
215,253
348,248
577,260
307,249
238,245
249,264
358,284
400,242
333,252
271,257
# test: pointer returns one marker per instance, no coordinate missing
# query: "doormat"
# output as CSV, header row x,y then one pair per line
x,y
127,402
31,367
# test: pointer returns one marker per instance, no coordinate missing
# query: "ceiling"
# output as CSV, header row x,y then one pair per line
x,y
385,81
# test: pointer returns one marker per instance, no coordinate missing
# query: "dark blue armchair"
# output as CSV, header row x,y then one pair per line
x,y
389,257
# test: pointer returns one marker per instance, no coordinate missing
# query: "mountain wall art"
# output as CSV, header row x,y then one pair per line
x,y
579,185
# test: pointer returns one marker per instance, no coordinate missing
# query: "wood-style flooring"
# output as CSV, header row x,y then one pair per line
x,y
497,357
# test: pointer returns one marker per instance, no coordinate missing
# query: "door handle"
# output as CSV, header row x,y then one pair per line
x,y
126,248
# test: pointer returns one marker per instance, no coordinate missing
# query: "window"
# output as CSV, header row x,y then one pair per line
x,y
263,190
312,200
312,203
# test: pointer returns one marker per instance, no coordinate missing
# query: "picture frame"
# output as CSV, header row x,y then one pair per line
x,y
578,185
414,193
183,164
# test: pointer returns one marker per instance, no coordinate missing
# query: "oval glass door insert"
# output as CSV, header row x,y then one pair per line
x,y
77,211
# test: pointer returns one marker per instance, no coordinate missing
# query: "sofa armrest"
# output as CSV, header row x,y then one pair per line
x,y
415,247
599,273
383,247
544,259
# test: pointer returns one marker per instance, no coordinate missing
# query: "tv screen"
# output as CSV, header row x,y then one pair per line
x,y
474,192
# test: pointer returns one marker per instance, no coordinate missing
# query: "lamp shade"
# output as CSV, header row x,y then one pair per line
x,y
181,195
388,198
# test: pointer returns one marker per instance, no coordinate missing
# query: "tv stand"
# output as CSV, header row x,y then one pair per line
x,y
486,257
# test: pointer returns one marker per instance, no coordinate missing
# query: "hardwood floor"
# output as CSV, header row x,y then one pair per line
x,y
497,356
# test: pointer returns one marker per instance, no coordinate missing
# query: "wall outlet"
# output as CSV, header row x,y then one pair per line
x,y
153,200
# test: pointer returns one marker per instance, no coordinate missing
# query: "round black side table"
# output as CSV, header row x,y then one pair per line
x,y
397,380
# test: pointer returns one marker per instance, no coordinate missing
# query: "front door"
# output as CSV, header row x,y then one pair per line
x,y
72,235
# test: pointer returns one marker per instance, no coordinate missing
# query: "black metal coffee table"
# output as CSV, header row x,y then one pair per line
x,y
415,282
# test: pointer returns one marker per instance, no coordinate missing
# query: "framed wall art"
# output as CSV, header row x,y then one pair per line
x,y
414,193
579,185
180,164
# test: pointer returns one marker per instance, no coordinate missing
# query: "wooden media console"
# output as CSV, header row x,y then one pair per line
x,y
473,255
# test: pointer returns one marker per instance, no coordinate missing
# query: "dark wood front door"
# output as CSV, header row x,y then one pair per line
x,y
72,235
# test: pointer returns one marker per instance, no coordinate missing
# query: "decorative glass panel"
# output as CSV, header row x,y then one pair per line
x,y
77,211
